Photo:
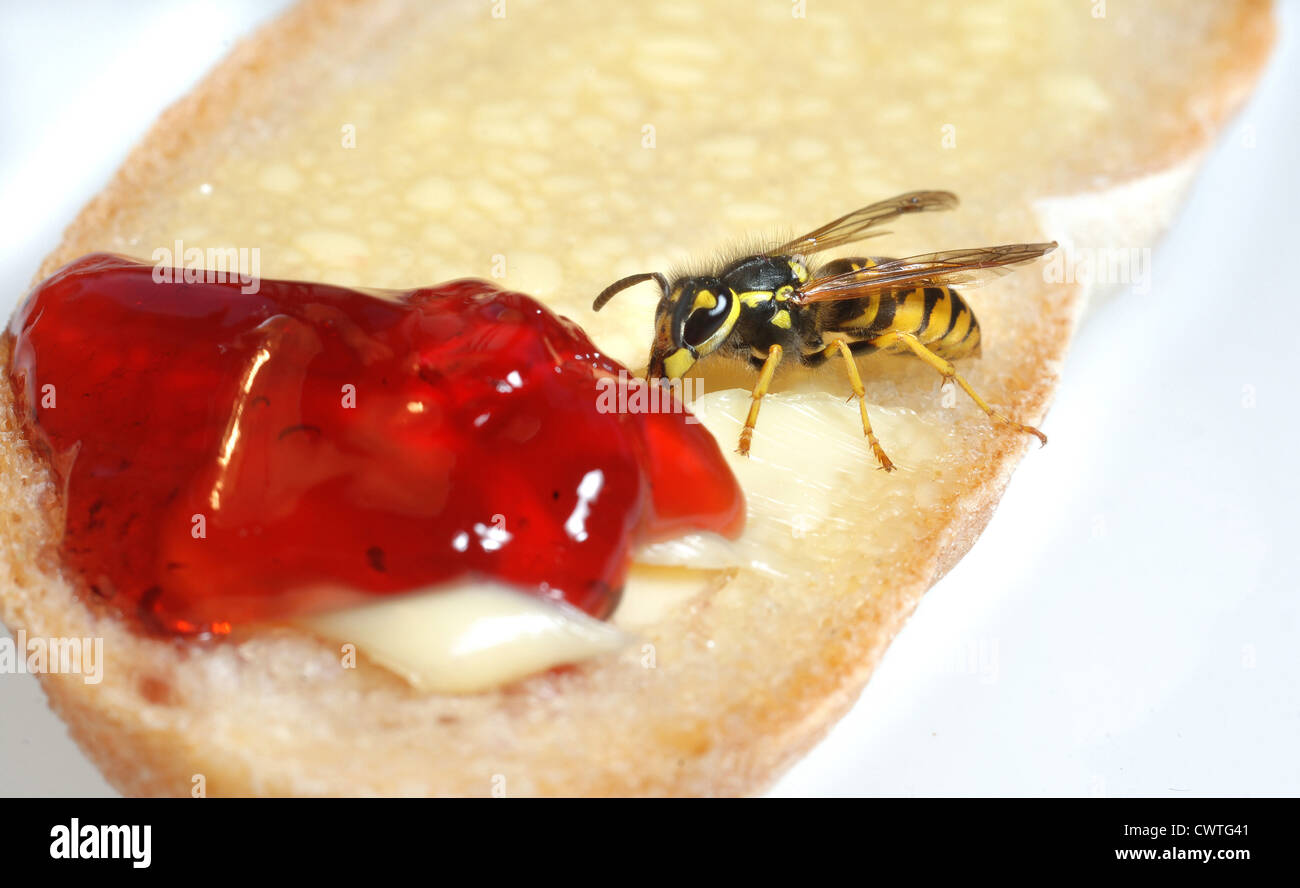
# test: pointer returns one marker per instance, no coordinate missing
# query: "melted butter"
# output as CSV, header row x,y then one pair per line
x,y
467,638
654,593
811,474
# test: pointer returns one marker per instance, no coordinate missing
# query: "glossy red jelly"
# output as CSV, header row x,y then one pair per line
x,y
228,457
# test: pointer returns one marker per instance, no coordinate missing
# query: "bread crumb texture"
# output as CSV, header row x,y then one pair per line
x,y
554,149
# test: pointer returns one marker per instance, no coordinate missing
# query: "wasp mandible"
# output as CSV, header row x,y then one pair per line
x,y
759,307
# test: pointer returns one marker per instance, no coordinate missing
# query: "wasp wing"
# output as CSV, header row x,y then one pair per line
x,y
969,267
855,225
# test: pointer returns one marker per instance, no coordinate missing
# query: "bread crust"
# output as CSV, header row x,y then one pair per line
x,y
722,718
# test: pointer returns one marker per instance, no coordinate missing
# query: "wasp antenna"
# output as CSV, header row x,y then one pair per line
x,y
630,281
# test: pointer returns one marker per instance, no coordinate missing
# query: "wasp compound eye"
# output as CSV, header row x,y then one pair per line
x,y
711,310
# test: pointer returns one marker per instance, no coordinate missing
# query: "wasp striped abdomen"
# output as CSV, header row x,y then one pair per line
x,y
938,316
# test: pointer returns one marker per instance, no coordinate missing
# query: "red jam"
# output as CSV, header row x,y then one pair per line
x,y
228,457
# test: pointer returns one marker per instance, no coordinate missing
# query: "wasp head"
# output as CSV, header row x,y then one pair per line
x,y
694,318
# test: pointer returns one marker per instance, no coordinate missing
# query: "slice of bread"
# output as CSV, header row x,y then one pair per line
x,y
561,146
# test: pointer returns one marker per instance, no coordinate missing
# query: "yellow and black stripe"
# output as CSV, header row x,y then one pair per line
x,y
938,316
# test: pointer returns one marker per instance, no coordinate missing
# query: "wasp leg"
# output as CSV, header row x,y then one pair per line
x,y
760,389
861,394
947,370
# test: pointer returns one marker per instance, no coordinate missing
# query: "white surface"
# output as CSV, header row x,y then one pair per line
x,y
1127,625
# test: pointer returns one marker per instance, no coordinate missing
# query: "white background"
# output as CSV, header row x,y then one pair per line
x,y
1127,625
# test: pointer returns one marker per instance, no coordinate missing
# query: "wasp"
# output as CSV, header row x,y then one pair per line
x,y
760,307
